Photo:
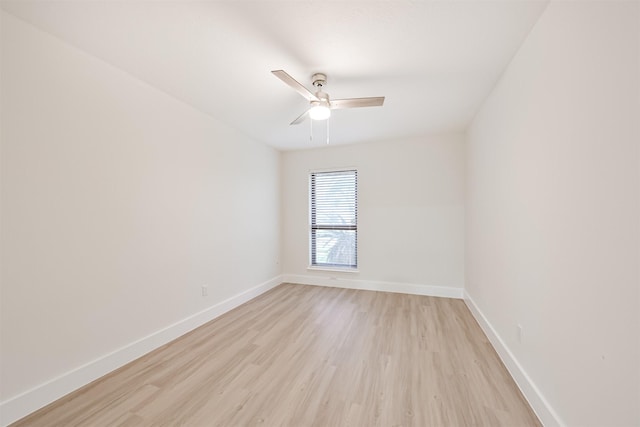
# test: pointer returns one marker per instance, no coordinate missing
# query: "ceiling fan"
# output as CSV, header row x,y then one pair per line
x,y
320,104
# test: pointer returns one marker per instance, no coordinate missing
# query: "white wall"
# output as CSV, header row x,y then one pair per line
x,y
118,204
410,214
553,213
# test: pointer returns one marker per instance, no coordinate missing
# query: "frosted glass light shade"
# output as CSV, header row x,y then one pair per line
x,y
319,112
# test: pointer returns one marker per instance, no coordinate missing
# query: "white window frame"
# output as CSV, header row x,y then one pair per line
x,y
312,226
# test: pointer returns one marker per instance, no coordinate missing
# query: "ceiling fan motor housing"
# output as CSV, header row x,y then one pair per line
x,y
322,96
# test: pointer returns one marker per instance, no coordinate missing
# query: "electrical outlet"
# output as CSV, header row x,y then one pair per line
x,y
205,291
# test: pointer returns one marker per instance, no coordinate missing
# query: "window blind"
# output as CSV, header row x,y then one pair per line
x,y
334,219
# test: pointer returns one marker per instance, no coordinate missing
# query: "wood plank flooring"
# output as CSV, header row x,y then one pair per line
x,y
311,356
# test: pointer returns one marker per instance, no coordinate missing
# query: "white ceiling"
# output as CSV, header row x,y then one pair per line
x,y
435,61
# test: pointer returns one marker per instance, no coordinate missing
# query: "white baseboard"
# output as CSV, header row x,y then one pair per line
x,y
372,285
531,392
25,403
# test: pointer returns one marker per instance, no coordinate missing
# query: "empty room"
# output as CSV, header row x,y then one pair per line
x,y
313,213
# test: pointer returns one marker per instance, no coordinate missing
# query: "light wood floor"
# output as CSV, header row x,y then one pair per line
x,y
311,356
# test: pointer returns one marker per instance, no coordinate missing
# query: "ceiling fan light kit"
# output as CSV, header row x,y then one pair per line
x,y
319,111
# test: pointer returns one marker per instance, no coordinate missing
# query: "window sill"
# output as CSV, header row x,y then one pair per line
x,y
337,269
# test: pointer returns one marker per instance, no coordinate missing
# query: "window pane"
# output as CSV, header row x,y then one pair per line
x,y
334,218
336,247
335,200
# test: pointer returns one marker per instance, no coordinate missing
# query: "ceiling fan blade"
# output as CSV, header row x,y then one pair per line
x,y
357,102
300,118
282,75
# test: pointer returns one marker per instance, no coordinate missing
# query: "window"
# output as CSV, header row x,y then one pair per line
x,y
334,219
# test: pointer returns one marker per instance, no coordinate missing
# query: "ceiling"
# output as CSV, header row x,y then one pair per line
x,y
435,61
